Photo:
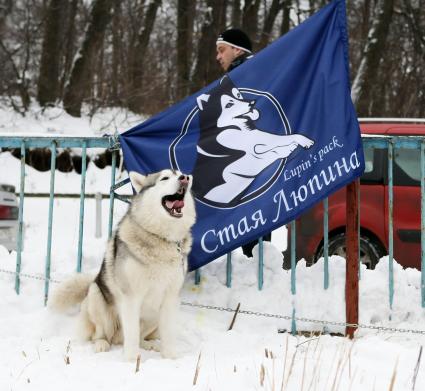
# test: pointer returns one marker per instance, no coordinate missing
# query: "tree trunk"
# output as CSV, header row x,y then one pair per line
x,y
236,13
285,26
207,69
48,80
185,10
368,71
365,20
135,102
5,9
417,27
99,95
413,17
250,19
80,74
69,42
269,22
133,28
116,51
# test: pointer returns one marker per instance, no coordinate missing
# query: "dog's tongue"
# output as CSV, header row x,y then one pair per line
x,y
177,204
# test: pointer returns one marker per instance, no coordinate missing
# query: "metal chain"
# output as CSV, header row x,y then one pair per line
x,y
256,313
32,276
307,320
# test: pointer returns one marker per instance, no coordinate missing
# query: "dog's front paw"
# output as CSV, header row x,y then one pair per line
x,y
152,344
101,345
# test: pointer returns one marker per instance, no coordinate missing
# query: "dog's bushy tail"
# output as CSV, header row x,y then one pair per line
x,y
70,292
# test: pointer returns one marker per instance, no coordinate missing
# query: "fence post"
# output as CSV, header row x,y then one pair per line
x,y
423,223
111,193
326,242
82,197
229,270
352,263
293,273
50,220
390,224
260,264
197,276
20,219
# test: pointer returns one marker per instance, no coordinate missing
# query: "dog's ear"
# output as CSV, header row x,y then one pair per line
x,y
137,180
202,98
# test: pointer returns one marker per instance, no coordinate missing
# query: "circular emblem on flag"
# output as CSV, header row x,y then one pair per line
x,y
235,143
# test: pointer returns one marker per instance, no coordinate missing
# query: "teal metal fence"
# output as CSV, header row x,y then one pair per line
x,y
53,143
391,144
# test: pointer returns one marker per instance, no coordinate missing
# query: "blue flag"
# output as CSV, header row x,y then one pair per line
x,y
265,142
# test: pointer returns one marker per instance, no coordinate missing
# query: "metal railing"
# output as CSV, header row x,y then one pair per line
x,y
53,143
389,143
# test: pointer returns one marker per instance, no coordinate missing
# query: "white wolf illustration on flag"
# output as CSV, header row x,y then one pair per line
x,y
232,150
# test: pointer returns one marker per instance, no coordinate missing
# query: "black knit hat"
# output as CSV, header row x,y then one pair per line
x,y
236,38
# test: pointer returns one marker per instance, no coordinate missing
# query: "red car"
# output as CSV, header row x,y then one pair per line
x,y
9,212
373,205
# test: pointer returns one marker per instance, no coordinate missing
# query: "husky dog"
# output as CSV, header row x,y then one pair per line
x,y
231,141
134,299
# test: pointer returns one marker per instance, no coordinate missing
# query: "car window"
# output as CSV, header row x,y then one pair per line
x,y
368,158
373,173
407,167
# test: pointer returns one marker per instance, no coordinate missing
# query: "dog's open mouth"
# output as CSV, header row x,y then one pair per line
x,y
174,203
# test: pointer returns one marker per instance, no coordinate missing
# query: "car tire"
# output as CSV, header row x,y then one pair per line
x,y
370,250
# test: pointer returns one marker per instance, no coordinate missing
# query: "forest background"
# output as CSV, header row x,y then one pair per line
x,y
145,55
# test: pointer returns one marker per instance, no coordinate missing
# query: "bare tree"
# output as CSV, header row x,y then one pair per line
x,y
250,19
135,102
412,14
365,20
271,14
18,49
69,44
285,25
367,73
5,9
214,23
117,51
80,75
146,57
185,15
236,13
48,80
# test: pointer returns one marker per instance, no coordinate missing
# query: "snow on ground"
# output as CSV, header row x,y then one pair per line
x,y
39,350
55,121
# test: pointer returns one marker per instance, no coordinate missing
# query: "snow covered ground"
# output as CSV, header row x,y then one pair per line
x,y
55,121
39,351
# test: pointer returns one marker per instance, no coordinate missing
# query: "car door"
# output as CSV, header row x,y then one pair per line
x,y
372,195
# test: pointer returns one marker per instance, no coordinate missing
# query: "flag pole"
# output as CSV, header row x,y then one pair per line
x,y
352,263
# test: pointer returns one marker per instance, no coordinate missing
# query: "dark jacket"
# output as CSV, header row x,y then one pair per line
x,y
239,60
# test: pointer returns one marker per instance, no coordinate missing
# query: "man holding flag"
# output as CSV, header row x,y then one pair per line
x,y
265,142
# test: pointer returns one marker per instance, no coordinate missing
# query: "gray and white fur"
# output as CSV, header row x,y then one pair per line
x,y
134,299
